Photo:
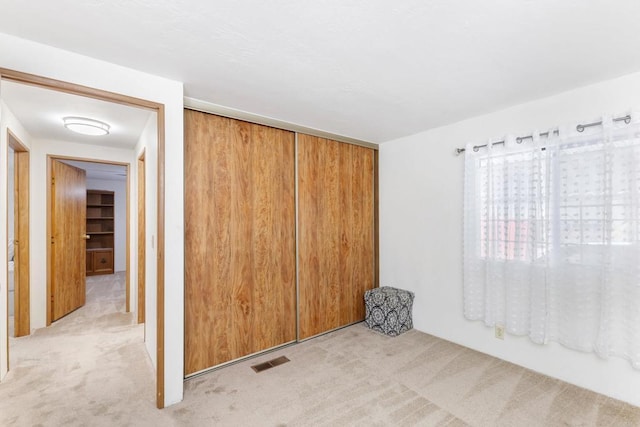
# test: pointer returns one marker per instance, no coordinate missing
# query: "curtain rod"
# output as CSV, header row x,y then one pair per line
x,y
520,139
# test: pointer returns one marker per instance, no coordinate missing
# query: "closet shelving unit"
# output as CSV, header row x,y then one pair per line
x,y
100,229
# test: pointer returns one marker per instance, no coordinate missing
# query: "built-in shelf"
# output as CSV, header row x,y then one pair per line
x,y
100,229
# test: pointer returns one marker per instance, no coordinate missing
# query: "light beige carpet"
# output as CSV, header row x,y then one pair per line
x,y
88,368
91,368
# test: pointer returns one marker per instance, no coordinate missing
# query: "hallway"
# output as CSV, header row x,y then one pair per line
x,y
89,365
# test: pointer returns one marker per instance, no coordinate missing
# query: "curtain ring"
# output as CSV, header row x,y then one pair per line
x,y
580,128
476,148
519,140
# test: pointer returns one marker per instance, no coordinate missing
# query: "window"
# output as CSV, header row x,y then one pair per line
x,y
552,239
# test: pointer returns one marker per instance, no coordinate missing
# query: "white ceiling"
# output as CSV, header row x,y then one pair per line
x,y
369,69
40,111
100,170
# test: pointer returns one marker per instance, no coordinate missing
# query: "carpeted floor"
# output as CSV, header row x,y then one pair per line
x,y
91,368
88,368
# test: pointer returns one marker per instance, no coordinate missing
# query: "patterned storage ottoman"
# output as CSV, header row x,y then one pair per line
x,y
388,310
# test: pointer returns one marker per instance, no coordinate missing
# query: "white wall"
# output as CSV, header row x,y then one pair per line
x,y
34,58
10,195
7,121
119,187
11,226
148,143
421,194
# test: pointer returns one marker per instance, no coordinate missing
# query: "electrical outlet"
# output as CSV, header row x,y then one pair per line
x,y
499,332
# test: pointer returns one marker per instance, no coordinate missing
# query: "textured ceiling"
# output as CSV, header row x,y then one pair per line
x,y
369,69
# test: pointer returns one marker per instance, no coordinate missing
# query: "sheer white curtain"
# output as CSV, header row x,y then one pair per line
x,y
552,237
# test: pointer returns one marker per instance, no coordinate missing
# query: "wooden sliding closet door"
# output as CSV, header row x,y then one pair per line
x,y
240,294
336,233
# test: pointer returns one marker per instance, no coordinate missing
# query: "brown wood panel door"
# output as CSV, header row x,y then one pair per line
x,y
22,325
239,239
68,247
336,233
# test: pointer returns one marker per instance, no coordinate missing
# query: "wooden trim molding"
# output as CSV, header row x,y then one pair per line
x,y
160,262
22,313
75,89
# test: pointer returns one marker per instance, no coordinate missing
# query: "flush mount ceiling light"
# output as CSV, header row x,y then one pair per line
x,y
86,126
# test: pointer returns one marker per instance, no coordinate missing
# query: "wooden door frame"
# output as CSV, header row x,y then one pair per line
x,y
50,159
22,269
158,108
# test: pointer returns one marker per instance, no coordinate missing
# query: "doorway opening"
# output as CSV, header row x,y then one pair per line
x,y
89,221
39,176
18,236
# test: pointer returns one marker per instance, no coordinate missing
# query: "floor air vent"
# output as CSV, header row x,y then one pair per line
x,y
269,364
